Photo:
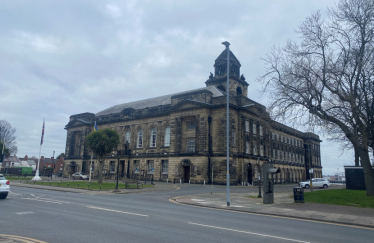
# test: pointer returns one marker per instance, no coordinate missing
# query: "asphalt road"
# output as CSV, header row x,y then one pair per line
x,y
53,216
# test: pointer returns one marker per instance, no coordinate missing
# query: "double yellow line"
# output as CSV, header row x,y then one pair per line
x,y
20,239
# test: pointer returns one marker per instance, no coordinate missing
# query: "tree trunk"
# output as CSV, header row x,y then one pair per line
x,y
368,171
101,165
357,156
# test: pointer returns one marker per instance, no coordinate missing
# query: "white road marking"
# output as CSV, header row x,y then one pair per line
x,y
32,195
232,206
247,232
198,200
111,210
46,200
20,213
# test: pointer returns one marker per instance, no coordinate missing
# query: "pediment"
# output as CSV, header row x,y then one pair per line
x,y
189,104
77,123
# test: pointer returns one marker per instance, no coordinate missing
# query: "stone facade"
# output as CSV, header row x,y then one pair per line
x,y
183,136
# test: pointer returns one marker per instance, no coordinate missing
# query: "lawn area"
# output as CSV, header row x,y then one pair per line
x,y
87,185
343,197
16,178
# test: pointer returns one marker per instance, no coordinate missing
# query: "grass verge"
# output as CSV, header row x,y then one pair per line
x,y
353,198
87,185
11,178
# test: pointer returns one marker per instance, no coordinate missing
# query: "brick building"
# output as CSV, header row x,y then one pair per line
x,y
183,136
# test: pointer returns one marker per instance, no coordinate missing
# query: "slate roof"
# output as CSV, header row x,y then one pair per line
x,y
31,162
223,57
49,161
152,102
11,159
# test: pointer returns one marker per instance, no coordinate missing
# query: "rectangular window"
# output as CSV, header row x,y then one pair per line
x,y
191,125
261,150
254,128
247,147
261,132
165,167
254,149
151,166
247,126
191,145
167,137
136,166
273,153
233,139
112,166
282,138
272,136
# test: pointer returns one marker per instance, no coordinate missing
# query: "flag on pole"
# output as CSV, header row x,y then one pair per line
x,y
41,141
95,128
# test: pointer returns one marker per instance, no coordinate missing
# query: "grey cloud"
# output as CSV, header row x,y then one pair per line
x,y
60,58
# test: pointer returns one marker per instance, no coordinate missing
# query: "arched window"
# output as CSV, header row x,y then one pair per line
x,y
153,137
239,90
140,139
127,136
167,136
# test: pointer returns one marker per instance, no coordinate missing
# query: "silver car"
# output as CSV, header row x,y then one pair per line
x,y
317,182
4,187
79,176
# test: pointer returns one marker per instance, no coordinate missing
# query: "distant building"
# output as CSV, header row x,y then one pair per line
x,y
11,162
183,136
59,165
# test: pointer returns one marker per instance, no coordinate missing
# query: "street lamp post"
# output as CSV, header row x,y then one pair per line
x,y
117,173
116,190
259,178
227,44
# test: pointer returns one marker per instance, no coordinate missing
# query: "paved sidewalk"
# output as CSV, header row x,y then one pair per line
x,y
157,187
283,206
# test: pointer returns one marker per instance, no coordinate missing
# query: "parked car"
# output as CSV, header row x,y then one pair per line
x,y
4,187
59,174
317,182
79,176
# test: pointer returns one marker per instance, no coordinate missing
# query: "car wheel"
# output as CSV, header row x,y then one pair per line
x,y
325,186
307,186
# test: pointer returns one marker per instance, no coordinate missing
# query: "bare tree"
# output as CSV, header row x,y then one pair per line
x,y
7,133
328,78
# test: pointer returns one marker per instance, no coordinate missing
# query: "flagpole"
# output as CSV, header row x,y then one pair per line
x,y
36,177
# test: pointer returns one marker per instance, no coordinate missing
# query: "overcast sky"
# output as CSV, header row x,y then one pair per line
x,y
59,58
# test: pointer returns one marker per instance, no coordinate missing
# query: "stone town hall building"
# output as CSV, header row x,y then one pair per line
x,y
183,136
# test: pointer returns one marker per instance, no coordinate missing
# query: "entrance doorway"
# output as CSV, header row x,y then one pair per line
x,y
249,173
186,174
72,169
122,168
84,164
